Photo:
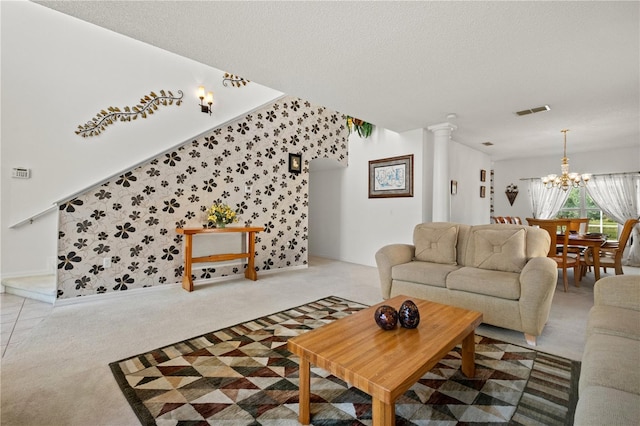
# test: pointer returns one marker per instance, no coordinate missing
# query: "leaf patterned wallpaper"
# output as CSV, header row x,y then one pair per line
x,y
132,219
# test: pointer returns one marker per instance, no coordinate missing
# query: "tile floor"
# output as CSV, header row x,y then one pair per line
x,y
19,316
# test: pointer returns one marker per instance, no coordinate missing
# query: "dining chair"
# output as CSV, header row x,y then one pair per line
x,y
579,225
611,251
558,230
516,220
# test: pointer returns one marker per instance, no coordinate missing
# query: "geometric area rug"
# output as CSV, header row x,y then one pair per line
x,y
244,375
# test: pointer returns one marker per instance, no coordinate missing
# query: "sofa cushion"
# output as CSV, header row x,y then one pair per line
x,y
622,291
505,285
612,362
598,405
427,273
499,249
436,242
615,321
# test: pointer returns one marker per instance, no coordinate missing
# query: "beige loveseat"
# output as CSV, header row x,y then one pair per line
x,y
609,389
500,270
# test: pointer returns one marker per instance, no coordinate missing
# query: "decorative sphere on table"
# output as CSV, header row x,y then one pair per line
x,y
386,317
409,315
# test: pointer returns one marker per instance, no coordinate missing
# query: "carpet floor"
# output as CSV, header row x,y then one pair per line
x,y
244,375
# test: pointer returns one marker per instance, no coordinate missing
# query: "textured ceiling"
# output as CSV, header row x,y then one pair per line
x,y
406,65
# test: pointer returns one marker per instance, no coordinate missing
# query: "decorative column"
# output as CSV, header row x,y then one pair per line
x,y
441,203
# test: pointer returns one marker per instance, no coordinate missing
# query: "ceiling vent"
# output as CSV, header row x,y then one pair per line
x,y
487,143
532,110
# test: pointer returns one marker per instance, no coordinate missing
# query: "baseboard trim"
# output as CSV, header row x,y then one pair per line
x,y
28,274
34,295
165,287
287,269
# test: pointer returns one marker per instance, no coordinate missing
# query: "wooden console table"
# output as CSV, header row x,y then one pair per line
x,y
187,281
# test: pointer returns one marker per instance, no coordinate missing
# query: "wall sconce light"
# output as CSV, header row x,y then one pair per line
x,y
209,100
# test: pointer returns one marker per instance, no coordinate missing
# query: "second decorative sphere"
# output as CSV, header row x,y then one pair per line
x,y
409,315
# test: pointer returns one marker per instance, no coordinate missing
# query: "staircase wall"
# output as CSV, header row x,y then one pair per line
x,y
132,218
57,73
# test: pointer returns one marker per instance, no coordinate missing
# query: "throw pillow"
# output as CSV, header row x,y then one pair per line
x,y
436,244
500,250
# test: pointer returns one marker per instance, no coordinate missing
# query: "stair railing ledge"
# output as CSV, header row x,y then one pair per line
x,y
33,217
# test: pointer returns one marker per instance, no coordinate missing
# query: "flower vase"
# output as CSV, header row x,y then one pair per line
x,y
220,224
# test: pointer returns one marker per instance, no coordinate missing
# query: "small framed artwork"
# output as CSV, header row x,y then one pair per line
x,y
483,175
483,191
295,163
391,177
454,187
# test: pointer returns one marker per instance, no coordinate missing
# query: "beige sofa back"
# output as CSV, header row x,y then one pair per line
x,y
500,247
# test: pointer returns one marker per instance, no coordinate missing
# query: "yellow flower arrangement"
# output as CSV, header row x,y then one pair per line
x,y
221,215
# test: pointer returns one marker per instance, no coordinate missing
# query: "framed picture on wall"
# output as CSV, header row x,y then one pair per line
x,y
483,175
483,191
295,163
391,177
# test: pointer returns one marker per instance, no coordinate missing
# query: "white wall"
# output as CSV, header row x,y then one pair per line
x,y
464,166
511,171
344,223
57,73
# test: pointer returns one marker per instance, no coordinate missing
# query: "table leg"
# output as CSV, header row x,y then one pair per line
x,y
383,414
469,355
304,416
250,273
187,282
596,262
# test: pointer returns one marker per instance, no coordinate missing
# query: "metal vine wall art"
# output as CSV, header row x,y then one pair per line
x,y
147,105
234,79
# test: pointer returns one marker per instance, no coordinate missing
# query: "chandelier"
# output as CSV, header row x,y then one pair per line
x,y
565,180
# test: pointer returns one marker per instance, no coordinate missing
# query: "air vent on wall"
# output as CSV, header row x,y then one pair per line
x,y
532,110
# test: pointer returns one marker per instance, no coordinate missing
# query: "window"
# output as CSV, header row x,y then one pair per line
x,y
580,204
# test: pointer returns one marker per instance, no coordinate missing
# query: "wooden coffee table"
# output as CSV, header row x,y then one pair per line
x,y
384,364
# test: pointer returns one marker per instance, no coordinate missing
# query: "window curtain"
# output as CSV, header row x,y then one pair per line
x,y
545,202
618,197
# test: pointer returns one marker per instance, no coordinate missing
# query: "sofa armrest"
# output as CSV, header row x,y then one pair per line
x,y
389,256
622,291
538,281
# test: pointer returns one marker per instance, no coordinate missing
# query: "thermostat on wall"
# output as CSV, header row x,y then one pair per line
x,y
21,173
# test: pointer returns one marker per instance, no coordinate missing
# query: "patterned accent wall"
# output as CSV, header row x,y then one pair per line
x,y
132,219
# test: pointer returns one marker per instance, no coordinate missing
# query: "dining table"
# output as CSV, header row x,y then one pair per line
x,y
595,241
